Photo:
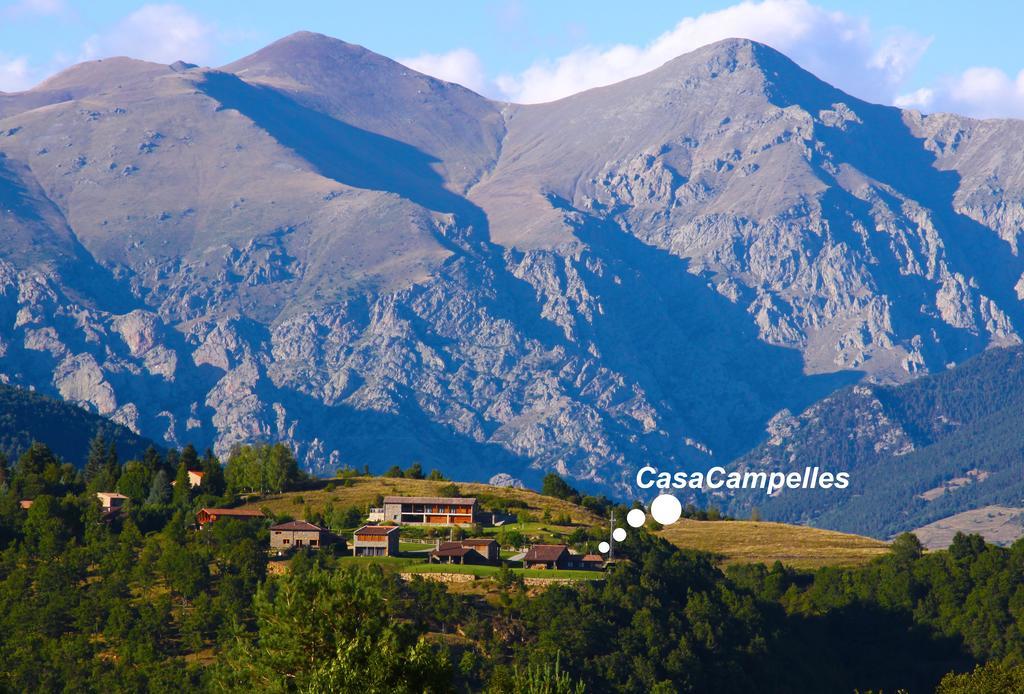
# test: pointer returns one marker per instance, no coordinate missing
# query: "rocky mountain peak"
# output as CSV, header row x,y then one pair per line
x,y
95,76
306,57
317,244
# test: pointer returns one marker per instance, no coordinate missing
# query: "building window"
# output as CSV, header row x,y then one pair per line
x,y
286,541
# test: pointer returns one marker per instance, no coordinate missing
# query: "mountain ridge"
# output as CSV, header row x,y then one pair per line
x,y
648,270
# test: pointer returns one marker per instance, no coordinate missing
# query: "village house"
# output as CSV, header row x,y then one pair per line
x,y
25,504
111,501
376,541
195,478
480,550
428,510
205,516
592,562
549,557
297,534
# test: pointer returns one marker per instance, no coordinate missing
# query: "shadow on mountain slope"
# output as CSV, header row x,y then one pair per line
x,y
383,439
343,152
689,347
34,232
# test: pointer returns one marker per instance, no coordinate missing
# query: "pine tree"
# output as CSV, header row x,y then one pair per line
x,y
190,457
97,458
111,467
159,489
213,475
151,459
182,494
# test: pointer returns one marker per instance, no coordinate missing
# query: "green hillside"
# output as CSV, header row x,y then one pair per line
x,y
731,542
918,452
26,416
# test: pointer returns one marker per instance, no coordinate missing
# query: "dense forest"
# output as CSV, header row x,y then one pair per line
x,y
145,602
26,416
968,418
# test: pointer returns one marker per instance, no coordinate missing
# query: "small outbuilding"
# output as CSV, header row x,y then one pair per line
x,y
298,534
111,501
486,548
205,516
376,541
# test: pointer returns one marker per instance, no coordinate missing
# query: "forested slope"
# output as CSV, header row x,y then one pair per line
x,y
917,452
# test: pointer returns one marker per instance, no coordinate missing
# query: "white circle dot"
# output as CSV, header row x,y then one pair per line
x,y
604,547
666,509
619,534
635,518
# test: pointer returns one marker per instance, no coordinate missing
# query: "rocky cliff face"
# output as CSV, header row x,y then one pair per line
x,y
319,245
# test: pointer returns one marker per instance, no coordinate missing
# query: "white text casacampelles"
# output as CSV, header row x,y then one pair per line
x,y
718,478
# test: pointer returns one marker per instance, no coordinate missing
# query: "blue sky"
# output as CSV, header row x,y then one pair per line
x,y
927,55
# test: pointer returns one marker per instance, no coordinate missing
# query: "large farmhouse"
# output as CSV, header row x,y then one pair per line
x,y
429,510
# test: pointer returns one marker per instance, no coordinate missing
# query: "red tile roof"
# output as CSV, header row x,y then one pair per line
x,y
242,512
376,530
478,541
592,557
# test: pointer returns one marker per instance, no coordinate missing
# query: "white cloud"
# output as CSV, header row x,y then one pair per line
x,y
461,66
161,33
835,46
46,8
899,54
15,74
921,99
984,92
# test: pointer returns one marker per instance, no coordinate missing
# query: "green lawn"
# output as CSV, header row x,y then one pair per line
x,y
486,571
387,562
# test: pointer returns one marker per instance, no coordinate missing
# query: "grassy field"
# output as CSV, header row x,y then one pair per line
x,y
753,542
485,571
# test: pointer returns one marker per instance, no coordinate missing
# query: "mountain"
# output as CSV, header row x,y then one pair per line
x,y
917,453
320,245
26,417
